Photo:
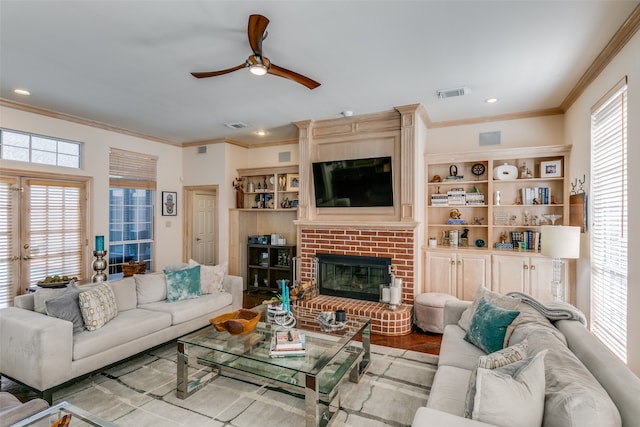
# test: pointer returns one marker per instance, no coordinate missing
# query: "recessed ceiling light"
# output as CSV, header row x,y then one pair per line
x,y
22,92
491,100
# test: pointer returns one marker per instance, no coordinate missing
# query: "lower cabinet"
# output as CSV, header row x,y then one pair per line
x,y
458,274
461,273
527,274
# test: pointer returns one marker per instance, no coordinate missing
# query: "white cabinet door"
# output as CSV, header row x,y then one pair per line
x,y
510,274
541,275
472,271
441,272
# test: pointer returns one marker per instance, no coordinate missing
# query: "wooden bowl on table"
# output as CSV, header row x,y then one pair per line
x,y
237,322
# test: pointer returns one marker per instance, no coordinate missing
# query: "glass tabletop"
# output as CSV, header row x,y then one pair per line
x,y
325,350
49,416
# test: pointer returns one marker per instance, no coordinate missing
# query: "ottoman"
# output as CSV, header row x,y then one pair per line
x,y
429,311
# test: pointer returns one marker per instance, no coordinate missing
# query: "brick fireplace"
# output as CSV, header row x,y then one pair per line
x,y
395,243
393,232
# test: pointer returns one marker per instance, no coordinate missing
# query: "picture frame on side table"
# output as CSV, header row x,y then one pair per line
x,y
169,203
293,182
551,169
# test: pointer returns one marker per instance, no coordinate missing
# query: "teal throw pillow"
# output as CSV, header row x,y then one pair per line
x,y
183,283
489,325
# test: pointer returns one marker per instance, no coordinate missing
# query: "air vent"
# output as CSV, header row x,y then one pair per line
x,y
202,149
450,93
236,125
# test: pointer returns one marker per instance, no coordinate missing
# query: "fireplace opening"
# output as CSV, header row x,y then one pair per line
x,y
348,276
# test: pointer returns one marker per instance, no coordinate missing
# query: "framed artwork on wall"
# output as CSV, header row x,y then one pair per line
x,y
551,169
293,182
169,206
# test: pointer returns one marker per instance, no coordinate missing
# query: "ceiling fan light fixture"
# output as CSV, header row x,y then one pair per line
x,y
258,69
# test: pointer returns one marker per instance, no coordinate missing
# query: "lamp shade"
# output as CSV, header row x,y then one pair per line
x,y
559,241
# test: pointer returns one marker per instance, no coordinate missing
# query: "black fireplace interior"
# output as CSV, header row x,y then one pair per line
x,y
348,276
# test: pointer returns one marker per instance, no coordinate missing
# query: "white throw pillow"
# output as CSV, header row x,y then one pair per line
x,y
495,360
211,276
511,396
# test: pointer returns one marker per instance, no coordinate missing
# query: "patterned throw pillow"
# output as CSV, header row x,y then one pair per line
x,y
183,284
98,306
505,356
489,326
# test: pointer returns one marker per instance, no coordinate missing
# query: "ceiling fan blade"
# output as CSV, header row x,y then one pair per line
x,y
218,73
257,27
288,74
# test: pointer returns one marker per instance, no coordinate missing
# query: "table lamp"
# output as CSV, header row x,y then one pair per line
x,y
559,241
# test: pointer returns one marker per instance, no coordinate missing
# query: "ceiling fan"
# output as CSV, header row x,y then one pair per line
x,y
257,63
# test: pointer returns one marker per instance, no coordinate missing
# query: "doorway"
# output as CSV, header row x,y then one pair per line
x,y
201,224
43,231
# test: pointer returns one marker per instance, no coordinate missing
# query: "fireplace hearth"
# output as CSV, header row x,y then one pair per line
x,y
356,277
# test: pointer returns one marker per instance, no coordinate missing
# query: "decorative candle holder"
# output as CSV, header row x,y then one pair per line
x,y
99,266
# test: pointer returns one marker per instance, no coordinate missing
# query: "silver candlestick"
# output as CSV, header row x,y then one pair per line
x,y
99,266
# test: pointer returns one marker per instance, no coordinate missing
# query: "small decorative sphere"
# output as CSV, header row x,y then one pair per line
x,y
480,243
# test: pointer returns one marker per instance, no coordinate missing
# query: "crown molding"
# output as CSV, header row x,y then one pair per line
x,y
81,121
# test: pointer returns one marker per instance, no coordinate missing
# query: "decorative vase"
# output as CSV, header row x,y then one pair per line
x,y
239,199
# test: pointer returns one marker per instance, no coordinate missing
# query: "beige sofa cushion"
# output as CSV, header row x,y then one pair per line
x,y
126,327
125,292
151,287
185,310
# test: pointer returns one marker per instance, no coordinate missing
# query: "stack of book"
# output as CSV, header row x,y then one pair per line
x,y
287,343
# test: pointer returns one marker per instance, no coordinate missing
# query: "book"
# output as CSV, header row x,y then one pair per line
x,y
289,340
277,351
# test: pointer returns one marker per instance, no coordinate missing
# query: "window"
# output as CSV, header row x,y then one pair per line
x,y
609,232
132,182
25,147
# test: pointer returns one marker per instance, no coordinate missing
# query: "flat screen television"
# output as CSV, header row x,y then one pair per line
x,y
353,183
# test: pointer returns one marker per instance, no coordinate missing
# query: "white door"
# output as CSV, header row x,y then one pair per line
x,y
204,228
10,253
42,232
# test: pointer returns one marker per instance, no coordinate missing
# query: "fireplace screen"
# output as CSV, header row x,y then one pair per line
x,y
356,277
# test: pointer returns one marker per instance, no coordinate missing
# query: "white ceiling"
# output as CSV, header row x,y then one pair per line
x,y
126,63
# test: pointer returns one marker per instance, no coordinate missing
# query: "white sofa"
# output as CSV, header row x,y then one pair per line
x,y
577,388
44,353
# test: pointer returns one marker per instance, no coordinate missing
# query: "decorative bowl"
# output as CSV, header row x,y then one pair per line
x,y
237,322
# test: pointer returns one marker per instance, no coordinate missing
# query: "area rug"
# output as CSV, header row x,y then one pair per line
x,y
141,392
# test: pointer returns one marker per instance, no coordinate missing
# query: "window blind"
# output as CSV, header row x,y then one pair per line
x,y
609,232
56,231
132,170
9,279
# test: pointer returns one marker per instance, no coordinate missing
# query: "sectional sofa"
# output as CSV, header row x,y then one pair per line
x,y
45,352
579,382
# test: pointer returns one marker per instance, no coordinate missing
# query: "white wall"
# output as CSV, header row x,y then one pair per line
x,y
530,132
577,129
268,156
96,164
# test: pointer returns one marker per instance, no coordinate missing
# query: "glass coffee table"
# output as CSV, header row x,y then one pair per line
x,y
330,357
79,417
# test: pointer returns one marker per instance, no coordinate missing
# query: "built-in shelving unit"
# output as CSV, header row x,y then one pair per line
x,y
495,212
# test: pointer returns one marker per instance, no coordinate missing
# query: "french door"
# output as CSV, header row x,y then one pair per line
x,y
42,232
